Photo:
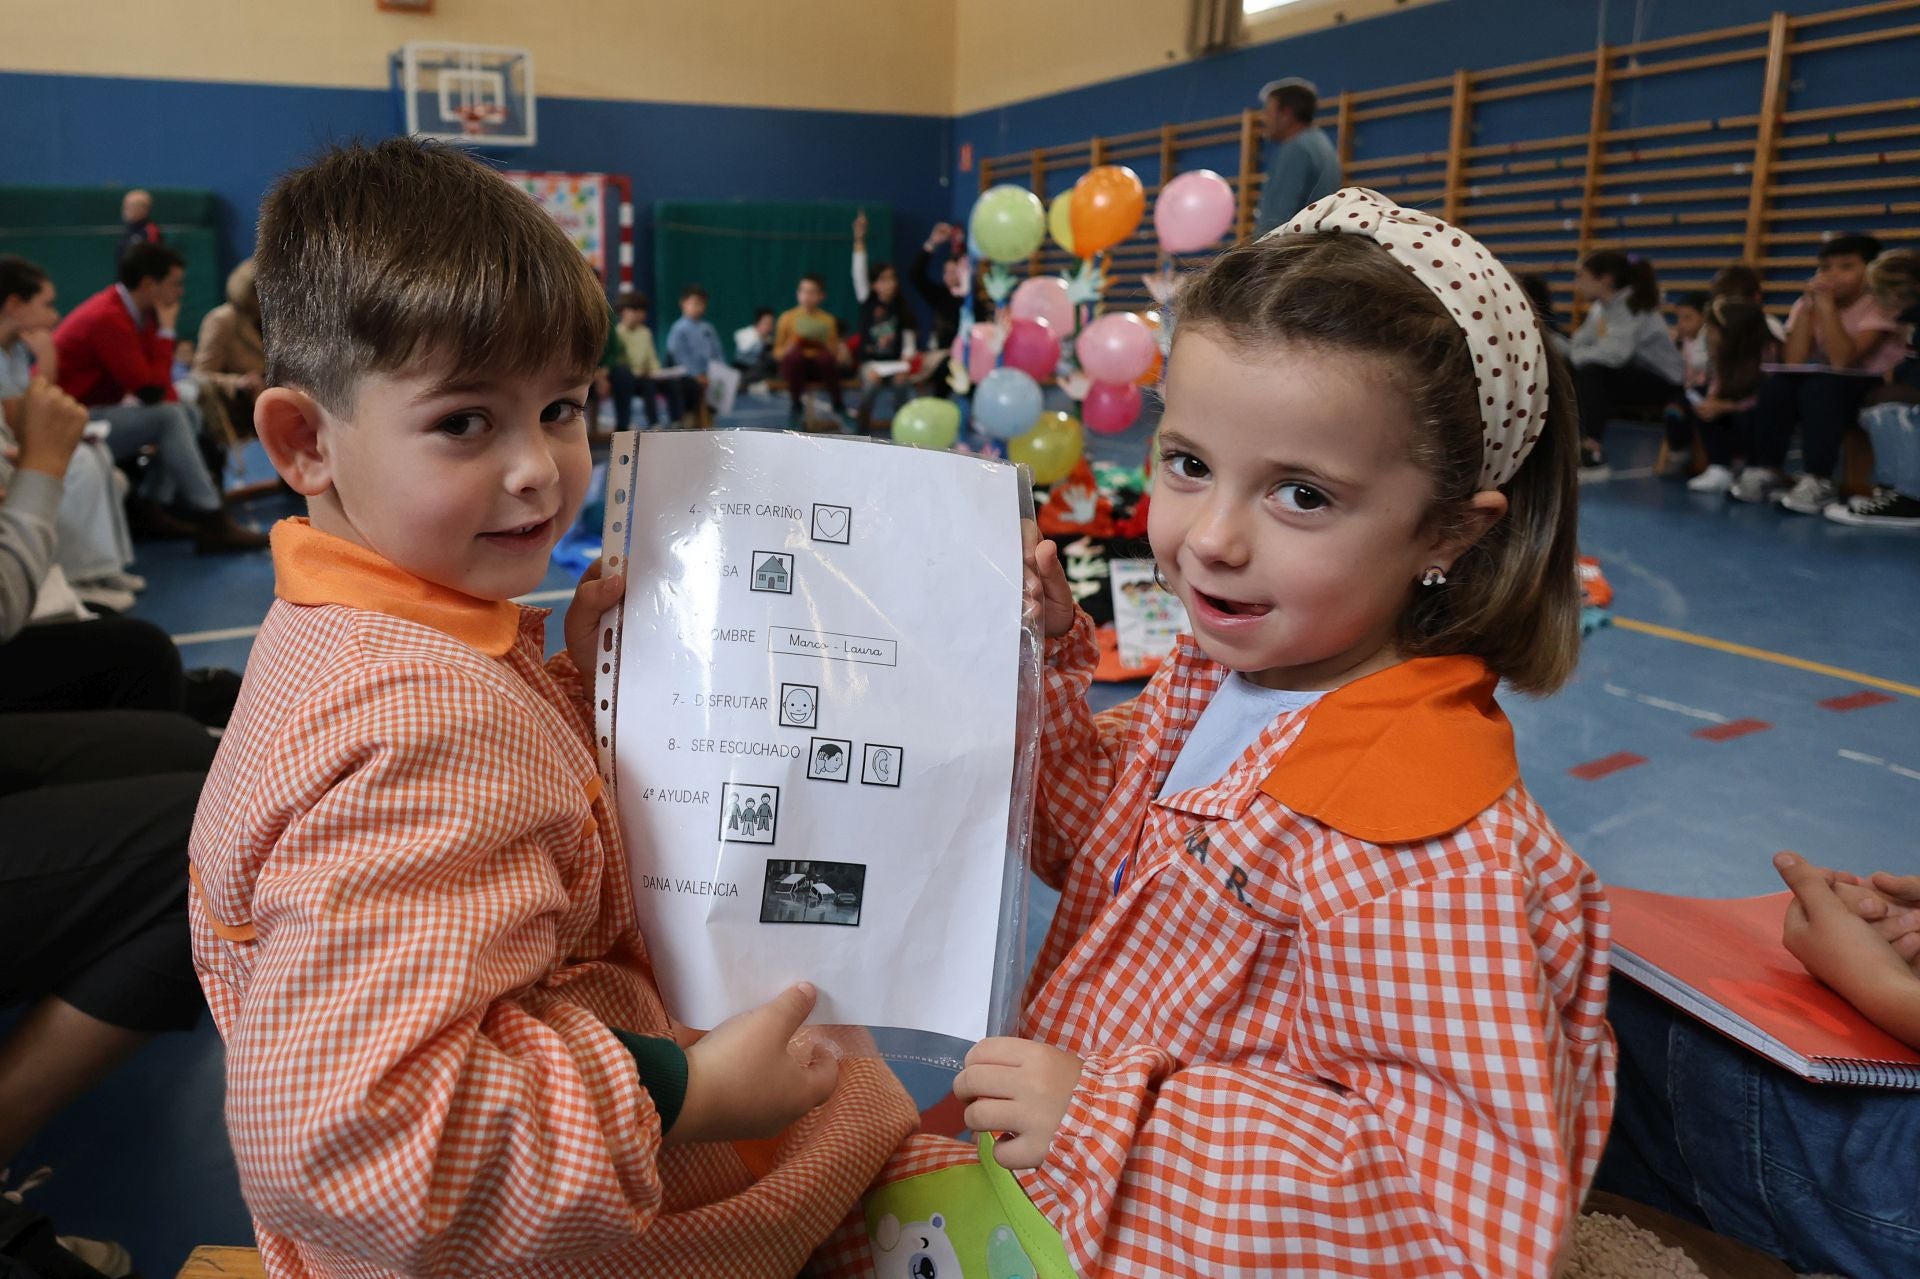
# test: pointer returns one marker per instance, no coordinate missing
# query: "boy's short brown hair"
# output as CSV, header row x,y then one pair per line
x,y
1513,598
375,258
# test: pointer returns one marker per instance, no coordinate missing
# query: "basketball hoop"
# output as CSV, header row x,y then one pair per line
x,y
477,118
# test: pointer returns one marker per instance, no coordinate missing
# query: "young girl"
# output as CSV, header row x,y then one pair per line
x,y
1737,341
1623,354
1325,992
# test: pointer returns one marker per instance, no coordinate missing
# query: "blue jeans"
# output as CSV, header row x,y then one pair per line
x,y
1824,1177
1895,430
180,474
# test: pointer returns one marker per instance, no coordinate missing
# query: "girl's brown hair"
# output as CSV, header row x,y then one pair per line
x,y
1894,279
1513,598
1634,274
1740,348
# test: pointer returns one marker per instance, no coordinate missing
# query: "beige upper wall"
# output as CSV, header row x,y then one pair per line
x,y
861,55
925,57
1010,50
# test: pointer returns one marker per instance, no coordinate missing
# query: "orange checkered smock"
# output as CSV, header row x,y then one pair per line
x,y
1343,1010
414,926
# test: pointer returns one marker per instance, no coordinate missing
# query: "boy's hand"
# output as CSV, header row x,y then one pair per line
x,y
860,227
754,1074
1047,591
1019,1088
1829,939
593,597
50,426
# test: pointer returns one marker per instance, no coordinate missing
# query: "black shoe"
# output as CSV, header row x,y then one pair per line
x,y
1887,508
151,521
211,693
217,533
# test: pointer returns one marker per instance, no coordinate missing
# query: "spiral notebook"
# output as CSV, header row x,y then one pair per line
x,y
1723,962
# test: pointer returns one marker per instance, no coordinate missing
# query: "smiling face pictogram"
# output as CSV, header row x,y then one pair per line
x,y
798,706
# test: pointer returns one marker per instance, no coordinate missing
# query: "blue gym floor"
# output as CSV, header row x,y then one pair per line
x,y
1833,775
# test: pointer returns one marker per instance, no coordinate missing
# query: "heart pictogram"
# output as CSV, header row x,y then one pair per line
x,y
830,521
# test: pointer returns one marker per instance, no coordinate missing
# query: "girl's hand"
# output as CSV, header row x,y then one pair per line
x,y
1830,939
1902,894
1021,1089
593,597
1047,590
755,1073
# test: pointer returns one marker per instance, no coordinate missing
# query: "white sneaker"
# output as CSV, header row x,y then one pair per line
x,y
1715,479
1810,495
95,595
1756,484
123,581
107,1257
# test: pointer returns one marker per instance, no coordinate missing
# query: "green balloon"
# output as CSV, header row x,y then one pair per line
x,y
927,423
1008,223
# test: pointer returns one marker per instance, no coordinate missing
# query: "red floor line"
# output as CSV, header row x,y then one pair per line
x,y
1727,732
1595,769
1855,701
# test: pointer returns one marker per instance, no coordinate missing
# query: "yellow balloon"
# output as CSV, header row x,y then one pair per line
x,y
1060,220
1051,449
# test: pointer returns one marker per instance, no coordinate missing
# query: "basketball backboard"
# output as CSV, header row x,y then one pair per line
x,y
478,93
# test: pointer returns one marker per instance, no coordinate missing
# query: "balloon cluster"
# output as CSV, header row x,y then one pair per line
x,y
1118,352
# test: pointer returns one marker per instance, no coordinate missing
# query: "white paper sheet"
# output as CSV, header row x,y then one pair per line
x,y
814,727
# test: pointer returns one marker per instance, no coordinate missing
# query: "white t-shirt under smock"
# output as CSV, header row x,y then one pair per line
x,y
1239,712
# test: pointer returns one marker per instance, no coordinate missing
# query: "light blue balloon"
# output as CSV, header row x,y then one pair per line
x,y
1006,403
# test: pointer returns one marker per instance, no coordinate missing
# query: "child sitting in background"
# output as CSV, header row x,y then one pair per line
x,y
694,346
1623,355
806,342
885,329
411,913
753,350
1835,323
1892,418
1737,343
643,365
1689,335
1325,992
1741,282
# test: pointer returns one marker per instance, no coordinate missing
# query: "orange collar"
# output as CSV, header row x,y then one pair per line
x,y
1405,754
311,567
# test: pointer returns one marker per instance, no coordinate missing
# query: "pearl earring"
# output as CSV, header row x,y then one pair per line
x,y
1434,576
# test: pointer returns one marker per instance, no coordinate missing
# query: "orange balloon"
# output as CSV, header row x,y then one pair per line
x,y
1151,377
1108,203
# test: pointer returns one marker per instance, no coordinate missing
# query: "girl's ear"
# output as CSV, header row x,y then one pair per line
x,y
1484,510
289,423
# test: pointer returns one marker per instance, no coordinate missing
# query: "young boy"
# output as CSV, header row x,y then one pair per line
x,y
693,344
412,918
1837,323
753,348
643,364
806,342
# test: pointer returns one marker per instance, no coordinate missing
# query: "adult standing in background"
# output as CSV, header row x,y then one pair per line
x,y
1301,164
136,211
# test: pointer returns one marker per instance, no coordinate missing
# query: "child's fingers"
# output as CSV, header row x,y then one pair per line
x,y
1809,885
1908,947
1863,902
1001,1050
1905,888
1019,1151
991,1115
986,1081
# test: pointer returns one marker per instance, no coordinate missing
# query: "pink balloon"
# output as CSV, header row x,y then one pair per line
x,y
1110,407
1117,347
1044,297
1193,211
983,350
1032,348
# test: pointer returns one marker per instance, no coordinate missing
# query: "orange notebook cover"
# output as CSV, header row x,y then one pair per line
x,y
1723,962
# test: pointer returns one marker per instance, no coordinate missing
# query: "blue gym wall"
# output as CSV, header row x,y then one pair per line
x,y
1421,44
234,138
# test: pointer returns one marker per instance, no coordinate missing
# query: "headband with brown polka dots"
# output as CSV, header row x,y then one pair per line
x,y
1509,361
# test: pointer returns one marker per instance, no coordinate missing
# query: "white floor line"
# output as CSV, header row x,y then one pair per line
x,y
248,632
1661,703
1876,762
